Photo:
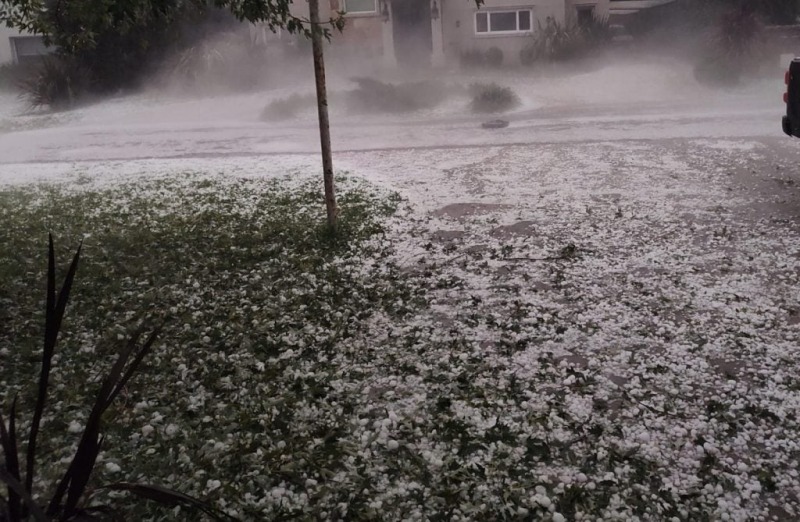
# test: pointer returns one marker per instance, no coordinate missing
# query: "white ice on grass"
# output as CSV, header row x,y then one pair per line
x,y
113,467
673,331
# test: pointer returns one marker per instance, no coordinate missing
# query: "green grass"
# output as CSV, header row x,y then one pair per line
x,y
253,289
305,376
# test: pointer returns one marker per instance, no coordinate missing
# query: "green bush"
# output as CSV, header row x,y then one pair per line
x,y
58,84
731,47
287,108
13,76
226,63
492,98
556,42
116,45
373,96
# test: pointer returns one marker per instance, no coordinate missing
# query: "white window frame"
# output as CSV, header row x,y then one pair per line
x,y
489,12
361,13
15,56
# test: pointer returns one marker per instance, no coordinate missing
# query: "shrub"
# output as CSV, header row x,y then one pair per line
x,y
560,42
226,63
731,46
492,98
781,12
14,76
494,57
377,97
287,108
198,62
58,84
737,32
598,31
471,58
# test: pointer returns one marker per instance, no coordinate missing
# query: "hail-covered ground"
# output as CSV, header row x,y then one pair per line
x,y
593,314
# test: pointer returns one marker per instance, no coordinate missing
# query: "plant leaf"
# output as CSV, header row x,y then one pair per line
x,y
169,497
80,470
63,296
53,316
20,490
133,366
97,514
8,440
75,480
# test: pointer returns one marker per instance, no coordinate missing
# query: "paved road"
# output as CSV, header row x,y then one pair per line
x,y
557,111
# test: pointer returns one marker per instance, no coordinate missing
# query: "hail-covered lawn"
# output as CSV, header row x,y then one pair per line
x,y
253,389
593,331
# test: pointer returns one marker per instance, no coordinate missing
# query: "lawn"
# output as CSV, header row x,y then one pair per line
x,y
388,373
248,389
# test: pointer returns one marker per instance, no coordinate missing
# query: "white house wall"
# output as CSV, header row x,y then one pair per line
x,y
458,19
367,37
6,54
362,38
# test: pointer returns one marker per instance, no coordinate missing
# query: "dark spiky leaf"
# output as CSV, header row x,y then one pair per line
x,y
47,357
111,383
97,514
134,365
81,468
53,317
105,513
75,480
169,497
15,485
87,516
63,296
8,440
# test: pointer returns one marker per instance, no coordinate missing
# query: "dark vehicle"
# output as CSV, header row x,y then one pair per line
x,y
791,122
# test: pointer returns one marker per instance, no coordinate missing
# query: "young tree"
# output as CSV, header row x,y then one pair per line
x,y
276,13
322,108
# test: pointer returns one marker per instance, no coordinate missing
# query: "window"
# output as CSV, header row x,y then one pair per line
x,y
503,22
360,6
27,48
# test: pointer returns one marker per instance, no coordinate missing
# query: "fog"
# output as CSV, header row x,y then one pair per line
x,y
257,78
252,93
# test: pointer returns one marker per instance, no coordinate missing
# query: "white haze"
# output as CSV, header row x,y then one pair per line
x,y
621,94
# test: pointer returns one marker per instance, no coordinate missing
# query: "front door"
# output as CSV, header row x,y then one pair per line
x,y
413,37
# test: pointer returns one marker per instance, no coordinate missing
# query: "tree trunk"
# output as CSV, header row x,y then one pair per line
x,y
322,105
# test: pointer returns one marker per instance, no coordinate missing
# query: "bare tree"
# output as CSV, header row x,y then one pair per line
x,y
322,108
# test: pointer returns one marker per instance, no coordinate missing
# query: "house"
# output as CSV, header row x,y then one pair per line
x,y
640,15
16,47
434,32
437,32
